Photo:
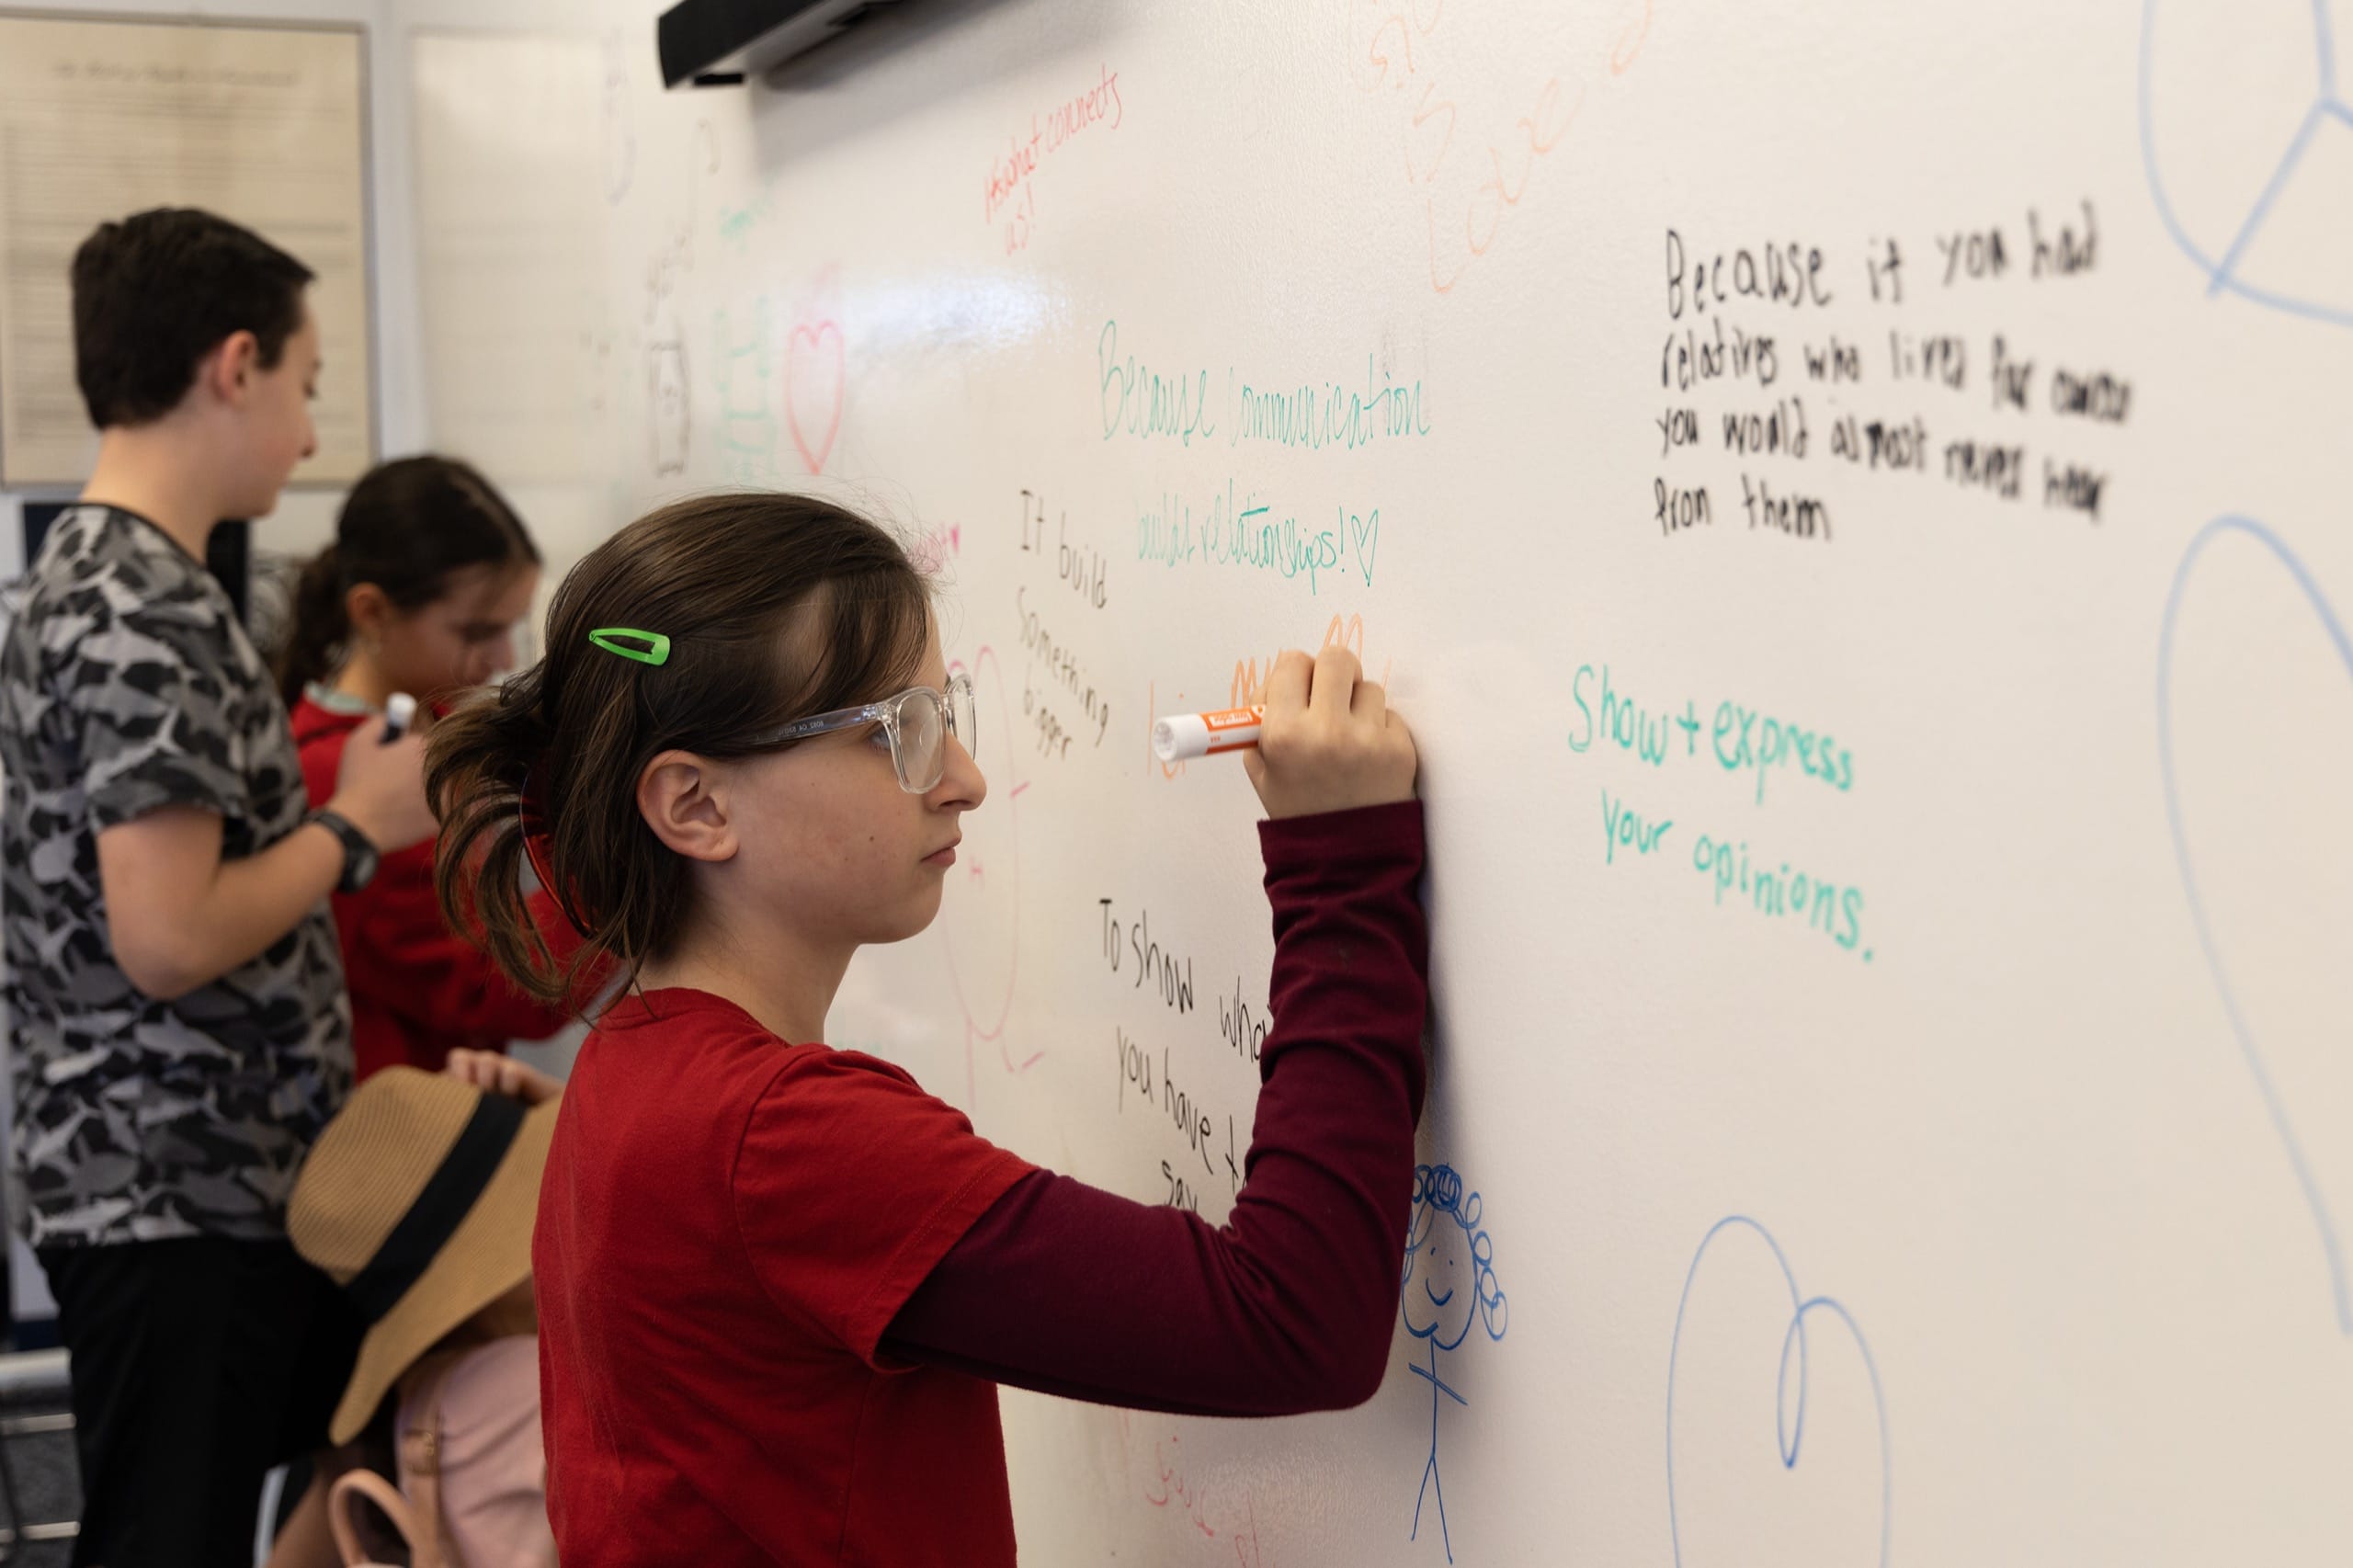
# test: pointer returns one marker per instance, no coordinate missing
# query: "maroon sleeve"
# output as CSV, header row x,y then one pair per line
x,y
1291,1305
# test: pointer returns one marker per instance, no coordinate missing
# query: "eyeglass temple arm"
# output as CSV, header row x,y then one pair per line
x,y
825,723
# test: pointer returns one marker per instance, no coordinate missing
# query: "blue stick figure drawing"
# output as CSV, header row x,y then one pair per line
x,y
1449,1281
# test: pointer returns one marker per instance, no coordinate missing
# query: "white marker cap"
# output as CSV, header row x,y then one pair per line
x,y
1181,737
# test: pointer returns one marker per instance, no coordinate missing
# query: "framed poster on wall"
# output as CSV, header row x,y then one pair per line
x,y
100,118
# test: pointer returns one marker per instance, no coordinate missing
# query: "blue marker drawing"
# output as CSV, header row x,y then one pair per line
x,y
1788,1406
2326,614
2328,110
1449,1281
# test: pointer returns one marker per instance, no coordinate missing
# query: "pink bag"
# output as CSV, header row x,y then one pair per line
x,y
473,1472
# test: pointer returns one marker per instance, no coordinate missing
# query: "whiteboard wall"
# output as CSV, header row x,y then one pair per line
x,y
1852,501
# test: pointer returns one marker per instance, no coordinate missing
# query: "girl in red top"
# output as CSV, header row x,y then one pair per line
x,y
778,1283
429,571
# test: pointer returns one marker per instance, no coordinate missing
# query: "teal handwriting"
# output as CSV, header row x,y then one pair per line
x,y
1780,893
1329,415
1736,736
1621,827
1144,402
1246,533
1137,399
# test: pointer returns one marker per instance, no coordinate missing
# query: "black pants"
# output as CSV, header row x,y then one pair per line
x,y
197,1365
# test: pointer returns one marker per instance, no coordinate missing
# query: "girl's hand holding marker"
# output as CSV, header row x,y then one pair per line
x,y
1326,740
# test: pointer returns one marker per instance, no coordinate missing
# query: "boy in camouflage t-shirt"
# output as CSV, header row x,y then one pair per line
x,y
126,685
175,999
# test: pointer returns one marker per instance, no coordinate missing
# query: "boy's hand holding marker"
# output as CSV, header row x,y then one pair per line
x,y
380,789
1327,741
400,712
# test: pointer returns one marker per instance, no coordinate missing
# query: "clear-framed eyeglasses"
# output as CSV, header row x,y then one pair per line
x,y
915,724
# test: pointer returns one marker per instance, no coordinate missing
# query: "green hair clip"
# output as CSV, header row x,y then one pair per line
x,y
656,648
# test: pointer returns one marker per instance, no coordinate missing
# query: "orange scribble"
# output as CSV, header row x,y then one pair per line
x,y
1622,52
1541,142
1248,686
1447,287
1398,51
1250,678
1404,41
1422,115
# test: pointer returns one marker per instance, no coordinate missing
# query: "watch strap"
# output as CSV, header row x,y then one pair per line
x,y
359,853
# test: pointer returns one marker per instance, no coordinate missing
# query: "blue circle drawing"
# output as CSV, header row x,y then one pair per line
x,y
2315,1198
2328,110
1789,1405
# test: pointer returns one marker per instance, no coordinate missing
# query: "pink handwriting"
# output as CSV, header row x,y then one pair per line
x,y
1010,187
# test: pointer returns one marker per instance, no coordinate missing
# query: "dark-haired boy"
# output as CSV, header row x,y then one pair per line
x,y
175,997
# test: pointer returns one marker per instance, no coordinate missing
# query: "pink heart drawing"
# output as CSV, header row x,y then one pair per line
x,y
814,381
979,924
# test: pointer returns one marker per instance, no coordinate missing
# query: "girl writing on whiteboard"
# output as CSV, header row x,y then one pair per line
x,y
420,593
778,1283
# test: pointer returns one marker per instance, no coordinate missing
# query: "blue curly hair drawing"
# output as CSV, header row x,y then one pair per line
x,y
1445,1247
1448,1282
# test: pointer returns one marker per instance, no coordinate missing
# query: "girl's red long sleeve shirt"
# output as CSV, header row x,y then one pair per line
x,y
778,1283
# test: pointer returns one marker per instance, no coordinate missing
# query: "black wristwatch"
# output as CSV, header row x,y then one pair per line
x,y
359,855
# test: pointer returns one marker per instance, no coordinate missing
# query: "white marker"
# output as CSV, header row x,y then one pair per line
x,y
400,712
1180,738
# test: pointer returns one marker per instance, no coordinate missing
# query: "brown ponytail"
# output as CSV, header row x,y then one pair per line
x,y
724,577
321,626
480,762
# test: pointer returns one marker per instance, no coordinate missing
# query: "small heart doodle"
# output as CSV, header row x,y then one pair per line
x,y
816,375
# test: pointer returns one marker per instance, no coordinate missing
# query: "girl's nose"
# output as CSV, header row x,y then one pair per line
x,y
961,784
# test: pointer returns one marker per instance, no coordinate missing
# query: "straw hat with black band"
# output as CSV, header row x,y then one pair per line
x,y
418,1200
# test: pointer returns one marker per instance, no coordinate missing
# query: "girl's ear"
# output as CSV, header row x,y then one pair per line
x,y
367,610
684,800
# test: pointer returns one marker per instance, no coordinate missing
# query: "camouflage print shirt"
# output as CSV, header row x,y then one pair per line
x,y
126,685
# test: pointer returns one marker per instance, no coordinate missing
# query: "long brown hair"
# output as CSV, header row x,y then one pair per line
x,y
724,577
406,526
